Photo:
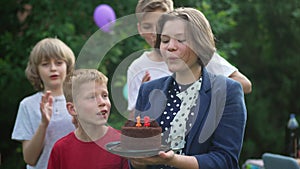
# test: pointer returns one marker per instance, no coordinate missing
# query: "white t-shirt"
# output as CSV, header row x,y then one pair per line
x,y
29,118
136,71
220,66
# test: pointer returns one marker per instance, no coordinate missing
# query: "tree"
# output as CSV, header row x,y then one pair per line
x,y
268,33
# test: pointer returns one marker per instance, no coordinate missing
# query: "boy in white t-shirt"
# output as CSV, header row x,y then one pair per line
x,y
42,117
150,64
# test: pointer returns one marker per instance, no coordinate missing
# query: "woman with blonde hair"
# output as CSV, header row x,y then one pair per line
x,y
202,115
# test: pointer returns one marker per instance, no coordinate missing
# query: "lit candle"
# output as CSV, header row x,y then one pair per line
x,y
138,121
147,121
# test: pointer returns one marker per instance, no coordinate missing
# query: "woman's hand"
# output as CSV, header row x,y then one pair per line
x,y
161,158
166,158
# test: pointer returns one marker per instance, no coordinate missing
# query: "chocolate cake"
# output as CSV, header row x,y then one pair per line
x,y
141,135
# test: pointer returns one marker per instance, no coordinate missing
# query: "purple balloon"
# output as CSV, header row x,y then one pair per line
x,y
104,17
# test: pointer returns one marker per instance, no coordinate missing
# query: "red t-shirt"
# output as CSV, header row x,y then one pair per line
x,y
71,153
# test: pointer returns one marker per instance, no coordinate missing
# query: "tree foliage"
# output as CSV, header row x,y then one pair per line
x,y
259,37
269,34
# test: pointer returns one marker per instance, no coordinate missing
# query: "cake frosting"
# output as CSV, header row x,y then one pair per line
x,y
141,134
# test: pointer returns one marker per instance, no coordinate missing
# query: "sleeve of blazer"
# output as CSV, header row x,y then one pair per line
x,y
151,98
226,142
141,99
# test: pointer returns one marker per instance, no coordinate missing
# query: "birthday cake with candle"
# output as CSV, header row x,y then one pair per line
x,y
141,134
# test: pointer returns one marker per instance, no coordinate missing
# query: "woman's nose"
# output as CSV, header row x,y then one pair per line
x,y
172,45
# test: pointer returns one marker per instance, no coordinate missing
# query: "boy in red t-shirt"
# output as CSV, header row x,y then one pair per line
x,y
88,101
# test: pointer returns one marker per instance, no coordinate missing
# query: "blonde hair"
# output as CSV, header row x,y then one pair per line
x,y
44,50
151,6
198,32
72,85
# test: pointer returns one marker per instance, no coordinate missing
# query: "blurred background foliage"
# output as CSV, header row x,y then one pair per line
x,y
261,38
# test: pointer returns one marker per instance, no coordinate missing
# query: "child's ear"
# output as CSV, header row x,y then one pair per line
x,y
71,109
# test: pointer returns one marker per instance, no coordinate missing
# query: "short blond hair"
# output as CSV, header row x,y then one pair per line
x,y
78,78
144,6
46,49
